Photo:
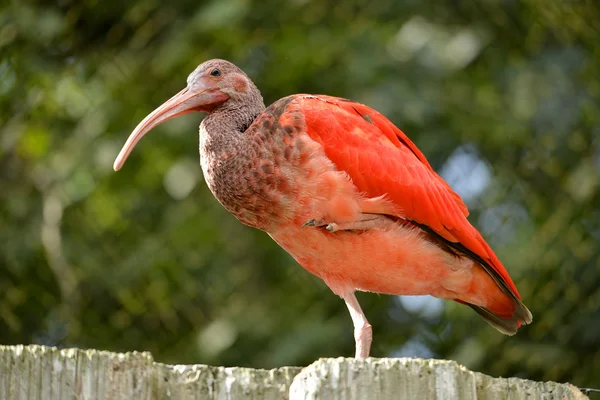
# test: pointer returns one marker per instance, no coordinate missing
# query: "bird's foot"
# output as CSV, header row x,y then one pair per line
x,y
331,227
317,223
367,222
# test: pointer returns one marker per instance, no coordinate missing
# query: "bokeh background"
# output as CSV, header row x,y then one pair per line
x,y
503,96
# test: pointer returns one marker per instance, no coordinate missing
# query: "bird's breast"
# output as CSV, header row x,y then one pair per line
x,y
248,177
274,174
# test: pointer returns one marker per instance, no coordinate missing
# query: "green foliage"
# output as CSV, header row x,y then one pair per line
x,y
146,259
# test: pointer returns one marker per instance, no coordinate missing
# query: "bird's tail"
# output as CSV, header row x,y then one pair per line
x,y
503,308
507,325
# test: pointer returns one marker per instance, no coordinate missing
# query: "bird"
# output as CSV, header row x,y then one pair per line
x,y
344,191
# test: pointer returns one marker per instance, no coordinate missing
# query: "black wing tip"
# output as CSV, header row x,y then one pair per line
x,y
523,313
507,326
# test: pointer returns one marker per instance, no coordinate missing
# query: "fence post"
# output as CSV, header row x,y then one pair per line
x,y
45,373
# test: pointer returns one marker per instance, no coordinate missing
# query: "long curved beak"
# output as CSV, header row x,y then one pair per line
x,y
183,102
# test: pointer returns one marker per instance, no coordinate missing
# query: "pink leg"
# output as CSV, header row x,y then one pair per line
x,y
363,334
367,221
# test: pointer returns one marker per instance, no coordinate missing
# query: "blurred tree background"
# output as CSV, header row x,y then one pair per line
x,y
503,96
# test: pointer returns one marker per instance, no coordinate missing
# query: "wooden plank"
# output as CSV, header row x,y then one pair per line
x,y
46,373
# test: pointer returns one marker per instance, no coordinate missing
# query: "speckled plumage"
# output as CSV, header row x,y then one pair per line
x,y
246,171
380,217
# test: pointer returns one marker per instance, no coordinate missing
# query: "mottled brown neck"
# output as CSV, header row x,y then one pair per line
x,y
228,154
230,122
225,125
237,113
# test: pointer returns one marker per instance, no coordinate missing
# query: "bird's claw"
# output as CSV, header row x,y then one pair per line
x,y
331,227
366,223
312,222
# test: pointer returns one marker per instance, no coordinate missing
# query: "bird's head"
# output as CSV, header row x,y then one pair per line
x,y
214,84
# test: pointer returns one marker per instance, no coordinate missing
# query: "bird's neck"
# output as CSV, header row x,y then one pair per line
x,y
228,123
222,131
228,155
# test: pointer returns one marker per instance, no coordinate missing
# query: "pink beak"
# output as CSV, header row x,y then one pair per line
x,y
203,98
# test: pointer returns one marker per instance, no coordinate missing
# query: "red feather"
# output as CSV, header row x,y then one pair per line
x,y
381,160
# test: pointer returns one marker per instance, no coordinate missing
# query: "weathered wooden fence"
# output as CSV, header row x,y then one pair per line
x,y
44,373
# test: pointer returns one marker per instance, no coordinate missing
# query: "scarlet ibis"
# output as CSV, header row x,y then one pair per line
x,y
344,191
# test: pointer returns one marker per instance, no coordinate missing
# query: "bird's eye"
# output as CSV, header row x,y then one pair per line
x,y
215,72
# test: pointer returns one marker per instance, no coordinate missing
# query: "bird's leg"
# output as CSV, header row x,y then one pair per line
x,y
363,334
366,221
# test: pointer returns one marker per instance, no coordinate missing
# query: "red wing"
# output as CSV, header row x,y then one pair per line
x,y
382,160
